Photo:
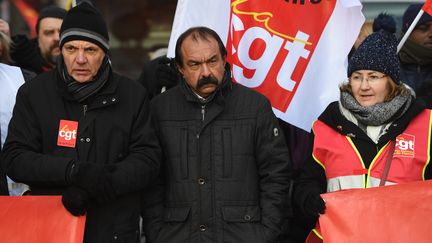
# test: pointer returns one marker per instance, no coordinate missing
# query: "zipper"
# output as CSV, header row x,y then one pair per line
x,y
203,112
84,109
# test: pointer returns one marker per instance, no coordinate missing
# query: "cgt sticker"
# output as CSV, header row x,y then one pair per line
x,y
405,145
67,133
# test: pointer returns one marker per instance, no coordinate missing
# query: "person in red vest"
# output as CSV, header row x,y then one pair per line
x,y
377,134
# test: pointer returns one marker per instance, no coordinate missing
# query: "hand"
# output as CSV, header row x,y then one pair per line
x,y
314,205
166,73
95,179
75,200
4,27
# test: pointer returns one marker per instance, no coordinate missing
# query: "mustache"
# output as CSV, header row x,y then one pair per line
x,y
207,80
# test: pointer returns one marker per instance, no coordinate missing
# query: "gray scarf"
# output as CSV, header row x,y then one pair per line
x,y
81,91
377,114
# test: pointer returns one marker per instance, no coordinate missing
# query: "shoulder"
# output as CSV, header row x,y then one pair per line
x,y
42,82
247,98
332,115
170,94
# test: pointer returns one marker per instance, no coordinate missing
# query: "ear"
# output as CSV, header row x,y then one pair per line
x,y
180,69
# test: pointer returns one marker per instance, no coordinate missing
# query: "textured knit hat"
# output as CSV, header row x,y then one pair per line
x,y
410,14
377,52
84,22
50,11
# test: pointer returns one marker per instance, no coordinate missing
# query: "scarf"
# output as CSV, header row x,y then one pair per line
x,y
377,114
412,52
81,91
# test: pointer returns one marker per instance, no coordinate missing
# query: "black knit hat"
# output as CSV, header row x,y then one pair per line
x,y
410,14
84,22
50,11
377,52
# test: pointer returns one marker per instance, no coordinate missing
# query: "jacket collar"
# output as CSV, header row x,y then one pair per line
x,y
107,95
218,95
333,117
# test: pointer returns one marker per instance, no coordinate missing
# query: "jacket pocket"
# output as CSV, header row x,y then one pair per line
x,y
126,233
242,224
176,227
241,214
177,214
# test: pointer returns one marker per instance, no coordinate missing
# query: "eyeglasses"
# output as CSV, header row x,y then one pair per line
x,y
370,79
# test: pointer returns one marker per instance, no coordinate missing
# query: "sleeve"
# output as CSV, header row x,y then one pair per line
x,y
310,181
275,172
141,166
152,201
152,209
23,158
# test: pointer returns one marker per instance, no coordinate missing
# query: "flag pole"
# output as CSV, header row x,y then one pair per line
x,y
410,29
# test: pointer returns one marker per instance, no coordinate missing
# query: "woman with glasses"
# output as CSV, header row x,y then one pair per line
x,y
376,134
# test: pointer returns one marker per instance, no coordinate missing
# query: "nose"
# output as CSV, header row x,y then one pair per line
x,y
81,58
57,35
205,70
364,84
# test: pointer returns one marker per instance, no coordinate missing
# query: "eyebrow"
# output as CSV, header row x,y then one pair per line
x,y
199,62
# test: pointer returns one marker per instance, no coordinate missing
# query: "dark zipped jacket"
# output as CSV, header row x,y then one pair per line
x,y
114,128
312,179
226,168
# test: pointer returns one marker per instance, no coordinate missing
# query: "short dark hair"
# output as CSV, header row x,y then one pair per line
x,y
202,33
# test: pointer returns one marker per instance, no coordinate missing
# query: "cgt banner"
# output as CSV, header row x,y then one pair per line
x,y
292,51
38,219
398,214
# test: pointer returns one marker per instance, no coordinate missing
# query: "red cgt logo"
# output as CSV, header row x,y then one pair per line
x,y
67,133
271,42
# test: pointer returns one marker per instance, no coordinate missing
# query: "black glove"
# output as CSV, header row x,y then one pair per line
x,y
166,74
75,200
94,178
314,205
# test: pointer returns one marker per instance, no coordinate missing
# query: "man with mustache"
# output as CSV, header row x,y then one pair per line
x,y
226,169
416,54
40,54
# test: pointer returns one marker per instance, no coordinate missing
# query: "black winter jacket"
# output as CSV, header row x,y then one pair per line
x,y
114,128
312,179
226,169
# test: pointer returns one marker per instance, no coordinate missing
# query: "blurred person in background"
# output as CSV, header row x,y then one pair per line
x,y
416,53
40,54
11,78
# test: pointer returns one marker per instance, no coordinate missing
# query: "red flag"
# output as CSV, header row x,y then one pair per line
x,y
29,14
427,7
398,214
38,219
268,50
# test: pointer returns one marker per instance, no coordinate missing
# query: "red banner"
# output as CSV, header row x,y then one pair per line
x,y
397,214
38,219
271,42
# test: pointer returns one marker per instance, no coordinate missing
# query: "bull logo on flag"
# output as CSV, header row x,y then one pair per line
x,y
271,42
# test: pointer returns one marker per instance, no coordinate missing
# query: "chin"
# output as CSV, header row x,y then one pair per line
x,y
82,79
